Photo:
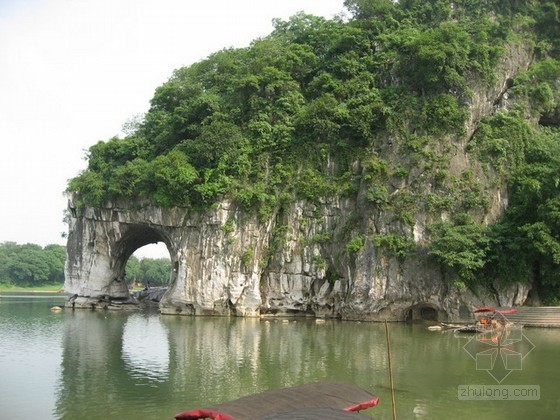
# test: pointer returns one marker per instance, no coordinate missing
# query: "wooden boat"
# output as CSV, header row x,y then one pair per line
x,y
321,400
447,326
466,328
489,321
470,328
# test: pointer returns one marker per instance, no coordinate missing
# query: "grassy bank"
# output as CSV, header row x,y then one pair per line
x,y
46,288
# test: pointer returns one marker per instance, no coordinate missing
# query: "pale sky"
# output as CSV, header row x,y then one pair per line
x,y
72,72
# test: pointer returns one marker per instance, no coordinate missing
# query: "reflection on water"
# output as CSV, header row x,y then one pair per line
x,y
141,358
221,358
162,365
105,365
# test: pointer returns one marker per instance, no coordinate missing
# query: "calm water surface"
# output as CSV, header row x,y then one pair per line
x,y
105,365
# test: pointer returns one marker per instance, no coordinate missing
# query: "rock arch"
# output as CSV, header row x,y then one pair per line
x,y
100,242
211,274
135,237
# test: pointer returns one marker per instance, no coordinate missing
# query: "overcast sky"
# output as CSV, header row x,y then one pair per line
x,y
72,72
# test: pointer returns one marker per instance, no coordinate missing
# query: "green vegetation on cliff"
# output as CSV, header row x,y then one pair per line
x,y
375,104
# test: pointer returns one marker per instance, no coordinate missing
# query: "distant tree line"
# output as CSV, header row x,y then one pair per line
x,y
32,265
148,271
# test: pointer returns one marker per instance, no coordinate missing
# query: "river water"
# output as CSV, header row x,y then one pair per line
x,y
107,365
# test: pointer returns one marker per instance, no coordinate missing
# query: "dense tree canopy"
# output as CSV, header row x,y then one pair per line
x,y
527,239
311,110
240,121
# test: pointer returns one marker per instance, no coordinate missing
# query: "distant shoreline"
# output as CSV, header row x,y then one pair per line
x,y
51,288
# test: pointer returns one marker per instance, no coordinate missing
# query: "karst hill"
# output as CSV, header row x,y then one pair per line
x,y
400,161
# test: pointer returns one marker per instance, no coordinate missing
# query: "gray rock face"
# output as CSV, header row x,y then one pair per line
x,y
227,262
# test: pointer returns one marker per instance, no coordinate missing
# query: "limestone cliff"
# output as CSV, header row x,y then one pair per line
x,y
227,261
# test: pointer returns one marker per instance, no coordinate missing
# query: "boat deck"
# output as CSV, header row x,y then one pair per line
x,y
320,400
